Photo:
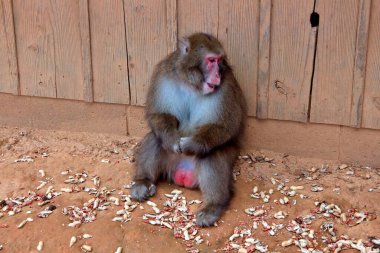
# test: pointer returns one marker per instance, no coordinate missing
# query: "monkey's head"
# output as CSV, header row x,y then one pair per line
x,y
202,61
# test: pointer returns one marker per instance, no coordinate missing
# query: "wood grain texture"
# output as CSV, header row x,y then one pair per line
x,y
263,61
292,46
335,61
360,63
84,21
109,52
197,16
48,47
238,32
147,34
172,25
8,59
371,104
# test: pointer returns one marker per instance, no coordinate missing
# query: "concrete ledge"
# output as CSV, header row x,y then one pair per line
x,y
304,139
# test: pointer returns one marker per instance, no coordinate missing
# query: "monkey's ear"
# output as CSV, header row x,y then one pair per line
x,y
184,46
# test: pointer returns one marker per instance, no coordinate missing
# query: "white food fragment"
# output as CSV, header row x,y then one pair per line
x,y
295,187
287,243
86,236
86,248
73,240
156,210
280,215
242,250
40,245
176,191
41,185
24,159
42,173
233,237
22,223
66,190
186,235
259,212
74,223
151,203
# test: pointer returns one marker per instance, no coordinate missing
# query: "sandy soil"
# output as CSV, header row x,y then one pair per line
x,y
343,196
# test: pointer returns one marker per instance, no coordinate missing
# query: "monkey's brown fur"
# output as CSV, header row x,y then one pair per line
x,y
186,122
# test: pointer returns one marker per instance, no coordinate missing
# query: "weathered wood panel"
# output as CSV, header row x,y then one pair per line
x,y
171,25
292,46
84,21
335,62
371,106
48,47
149,39
8,58
263,61
198,16
238,32
109,51
360,63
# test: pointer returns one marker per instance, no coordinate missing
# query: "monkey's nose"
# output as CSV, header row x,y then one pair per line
x,y
215,79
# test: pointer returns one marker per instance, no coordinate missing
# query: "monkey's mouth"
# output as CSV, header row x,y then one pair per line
x,y
211,86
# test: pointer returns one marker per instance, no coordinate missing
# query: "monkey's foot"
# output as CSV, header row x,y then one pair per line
x,y
208,215
143,190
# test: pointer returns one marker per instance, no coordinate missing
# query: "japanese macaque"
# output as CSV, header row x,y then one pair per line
x,y
196,112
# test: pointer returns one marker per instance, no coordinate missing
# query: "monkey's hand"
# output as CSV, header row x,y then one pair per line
x,y
170,142
189,146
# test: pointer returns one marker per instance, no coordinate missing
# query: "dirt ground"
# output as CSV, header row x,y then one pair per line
x,y
325,205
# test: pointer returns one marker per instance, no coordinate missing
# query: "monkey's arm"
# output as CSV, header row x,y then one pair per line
x,y
205,139
165,128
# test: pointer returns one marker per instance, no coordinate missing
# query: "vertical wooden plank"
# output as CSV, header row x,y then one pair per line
x,y
147,38
8,59
197,16
238,32
291,59
48,46
263,61
35,48
333,76
371,105
86,50
67,48
109,52
360,63
172,21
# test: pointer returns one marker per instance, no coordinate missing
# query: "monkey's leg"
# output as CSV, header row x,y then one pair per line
x,y
215,182
150,163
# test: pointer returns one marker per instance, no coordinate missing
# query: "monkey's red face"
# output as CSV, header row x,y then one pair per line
x,y
212,73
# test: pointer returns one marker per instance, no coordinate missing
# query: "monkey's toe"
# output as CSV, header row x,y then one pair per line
x,y
208,215
143,190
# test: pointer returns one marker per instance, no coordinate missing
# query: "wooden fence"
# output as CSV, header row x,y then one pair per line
x,y
104,51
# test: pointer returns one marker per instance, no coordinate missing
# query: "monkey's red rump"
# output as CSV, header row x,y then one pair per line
x,y
183,177
184,174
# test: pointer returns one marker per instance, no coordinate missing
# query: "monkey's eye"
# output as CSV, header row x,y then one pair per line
x,y
211,59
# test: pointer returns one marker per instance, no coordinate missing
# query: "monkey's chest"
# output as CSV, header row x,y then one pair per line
x,y
187,105
184,173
